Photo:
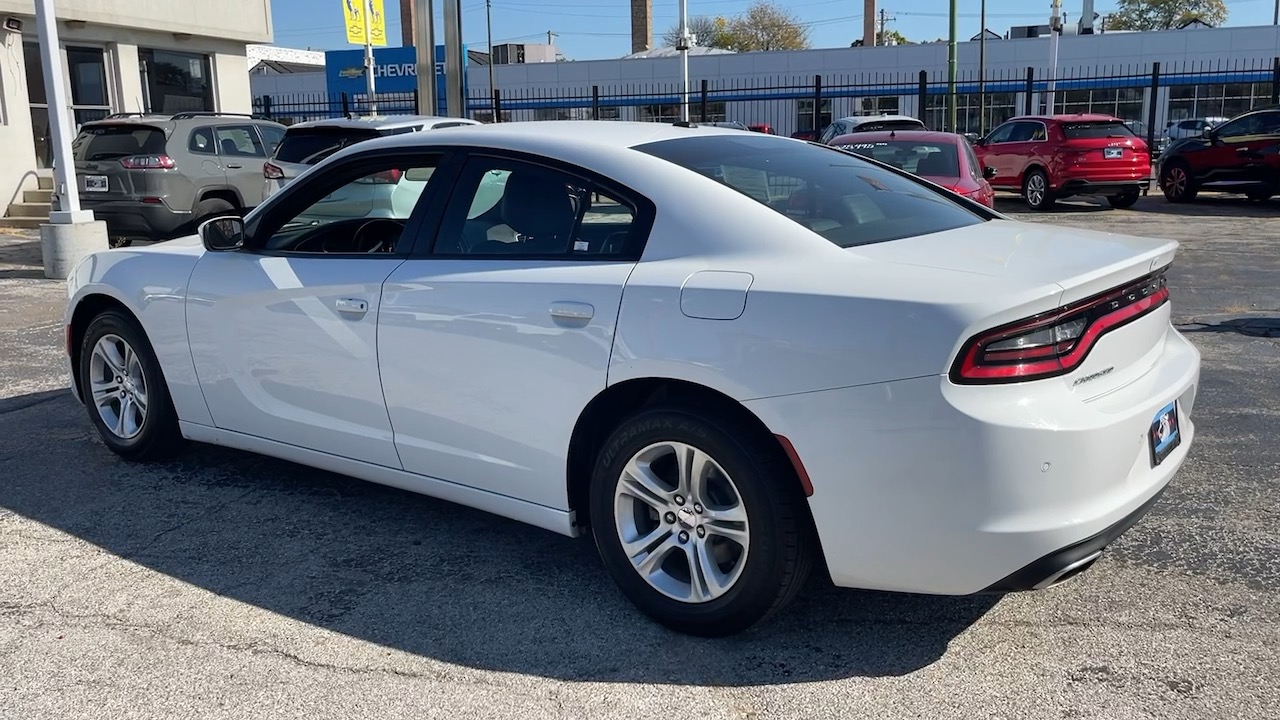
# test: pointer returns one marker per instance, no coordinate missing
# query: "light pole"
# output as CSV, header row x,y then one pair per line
x,y
488,22
683,47
368,57
982,70
951,72
1055,29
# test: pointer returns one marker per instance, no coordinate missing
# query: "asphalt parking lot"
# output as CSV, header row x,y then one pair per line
x,y
224,585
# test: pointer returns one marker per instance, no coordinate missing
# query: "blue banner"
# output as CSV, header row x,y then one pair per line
x,y
395,70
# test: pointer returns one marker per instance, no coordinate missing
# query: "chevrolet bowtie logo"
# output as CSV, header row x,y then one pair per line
x,y
351,72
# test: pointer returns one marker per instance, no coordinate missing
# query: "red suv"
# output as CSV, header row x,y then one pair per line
x,y
1049,158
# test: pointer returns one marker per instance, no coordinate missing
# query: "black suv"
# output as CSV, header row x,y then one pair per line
x,y
1240,156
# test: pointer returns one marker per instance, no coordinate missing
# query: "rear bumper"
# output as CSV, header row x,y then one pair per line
x,y
1103,187
928,487
125,218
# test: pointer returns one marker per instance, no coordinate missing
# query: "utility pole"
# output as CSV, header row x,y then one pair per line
x,y
368,57
488,23
982,71
683,46
1055,29
551,35
883,35
951,71
422,15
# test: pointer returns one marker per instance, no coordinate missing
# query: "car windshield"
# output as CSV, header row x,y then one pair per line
x,y
915,156
836,194
108,142
1096,129
309,146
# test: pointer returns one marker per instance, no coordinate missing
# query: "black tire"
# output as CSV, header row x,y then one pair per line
x,y
779,551
1039,201
1177,183
210,208
118,242
1260,195
1127,200
158,435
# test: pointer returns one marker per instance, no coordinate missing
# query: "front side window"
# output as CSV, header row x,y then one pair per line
x,y
354,211
1001,134
1256,124
271,137
837,195
509,208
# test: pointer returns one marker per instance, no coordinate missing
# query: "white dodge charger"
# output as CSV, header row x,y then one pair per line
x,y
725,356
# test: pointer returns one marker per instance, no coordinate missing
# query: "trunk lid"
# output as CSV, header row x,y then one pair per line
x,y
1103,148
1083,263
98,151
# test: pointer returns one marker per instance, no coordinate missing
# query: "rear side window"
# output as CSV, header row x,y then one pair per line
x,y
107,142
1096,130
202,142
841,197
310,146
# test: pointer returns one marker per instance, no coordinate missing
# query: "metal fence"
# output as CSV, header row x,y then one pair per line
x,y
1150,95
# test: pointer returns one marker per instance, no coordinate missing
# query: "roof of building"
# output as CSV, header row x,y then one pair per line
x,y
662,52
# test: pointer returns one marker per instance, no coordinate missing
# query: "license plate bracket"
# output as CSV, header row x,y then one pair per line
x,y
1164,435
1112,153
96,183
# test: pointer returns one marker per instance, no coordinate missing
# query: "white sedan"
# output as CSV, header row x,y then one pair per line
x,y
725,356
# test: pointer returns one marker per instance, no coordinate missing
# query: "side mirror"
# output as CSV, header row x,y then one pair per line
x,y
222,234
988,172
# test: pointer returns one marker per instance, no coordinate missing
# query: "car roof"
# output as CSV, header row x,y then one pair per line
x,y
923,135
544,135
383,122
1070,117
861,119
204,118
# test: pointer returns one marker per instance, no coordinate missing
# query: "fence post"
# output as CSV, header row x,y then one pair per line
x,y
346,105
1031,89
266,106
922,96
817,105
702,104
595,102
497,105
1275,81
1151,110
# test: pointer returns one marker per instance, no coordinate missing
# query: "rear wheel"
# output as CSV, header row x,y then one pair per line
x,y
701,528
1177,184
1260,195
1124,200
1036,192
124,390
210,208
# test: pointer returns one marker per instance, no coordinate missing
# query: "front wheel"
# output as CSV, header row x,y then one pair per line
x,y
1124,200
1177,184
1036,192
702,529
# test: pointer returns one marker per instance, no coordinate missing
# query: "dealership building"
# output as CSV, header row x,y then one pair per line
x,y
120,56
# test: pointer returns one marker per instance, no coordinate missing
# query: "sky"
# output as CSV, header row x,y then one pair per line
x,y
593,29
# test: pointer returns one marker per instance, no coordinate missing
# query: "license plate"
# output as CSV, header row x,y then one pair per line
x,y
95,183
1164,435
1112,153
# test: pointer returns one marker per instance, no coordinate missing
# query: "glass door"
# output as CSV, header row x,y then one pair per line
x,y
87,70
39,104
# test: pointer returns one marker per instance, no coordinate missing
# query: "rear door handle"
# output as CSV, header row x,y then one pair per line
x,y
352,306
234,166
572,311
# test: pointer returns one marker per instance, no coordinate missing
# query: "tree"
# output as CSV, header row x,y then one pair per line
x,y
707,32
885,37
765,26
1165,14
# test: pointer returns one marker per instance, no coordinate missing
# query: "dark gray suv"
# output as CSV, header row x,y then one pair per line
x,y
154,177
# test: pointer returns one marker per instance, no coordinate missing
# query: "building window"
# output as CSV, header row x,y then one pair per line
x,y
1217,100
1000,107
886,105
176,81
1124,103
804,115
670,112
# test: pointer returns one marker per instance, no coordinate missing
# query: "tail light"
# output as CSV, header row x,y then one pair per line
x,y
1056,342
389,177
272,171
148,162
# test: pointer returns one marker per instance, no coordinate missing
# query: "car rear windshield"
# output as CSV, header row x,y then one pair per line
x,y
108,142
310,146
1093,130
914,156
874,125
840,196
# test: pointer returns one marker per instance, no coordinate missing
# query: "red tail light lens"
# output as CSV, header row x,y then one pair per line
x,y
1055,343
389,177
272,172
148,162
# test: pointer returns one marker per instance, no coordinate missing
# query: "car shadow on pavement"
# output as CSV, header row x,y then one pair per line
x,y
1258,327
1205,206
425,576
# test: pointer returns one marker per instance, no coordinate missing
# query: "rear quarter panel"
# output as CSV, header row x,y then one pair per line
x,y
151,282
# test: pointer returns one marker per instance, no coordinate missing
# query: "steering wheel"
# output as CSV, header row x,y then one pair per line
x,y
379,244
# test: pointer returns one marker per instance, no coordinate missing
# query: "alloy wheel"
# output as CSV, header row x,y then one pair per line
x,y
118,386
1036,190
682,522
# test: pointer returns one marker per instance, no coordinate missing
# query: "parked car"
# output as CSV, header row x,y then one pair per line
x,y
720,394
1157,143
152,177
869,123
809,135
1191,127
762,128
1238,156
1047,158
943,158
307,143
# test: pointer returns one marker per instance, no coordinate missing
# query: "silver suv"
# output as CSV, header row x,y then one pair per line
x,y
306,144
154,177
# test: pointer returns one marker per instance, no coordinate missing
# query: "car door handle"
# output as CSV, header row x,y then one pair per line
x,y
234,166
572,311
352,306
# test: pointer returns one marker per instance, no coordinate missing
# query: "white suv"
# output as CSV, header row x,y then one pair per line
x,y
1191,127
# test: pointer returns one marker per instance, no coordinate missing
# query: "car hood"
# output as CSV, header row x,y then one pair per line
x,y
1082,262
